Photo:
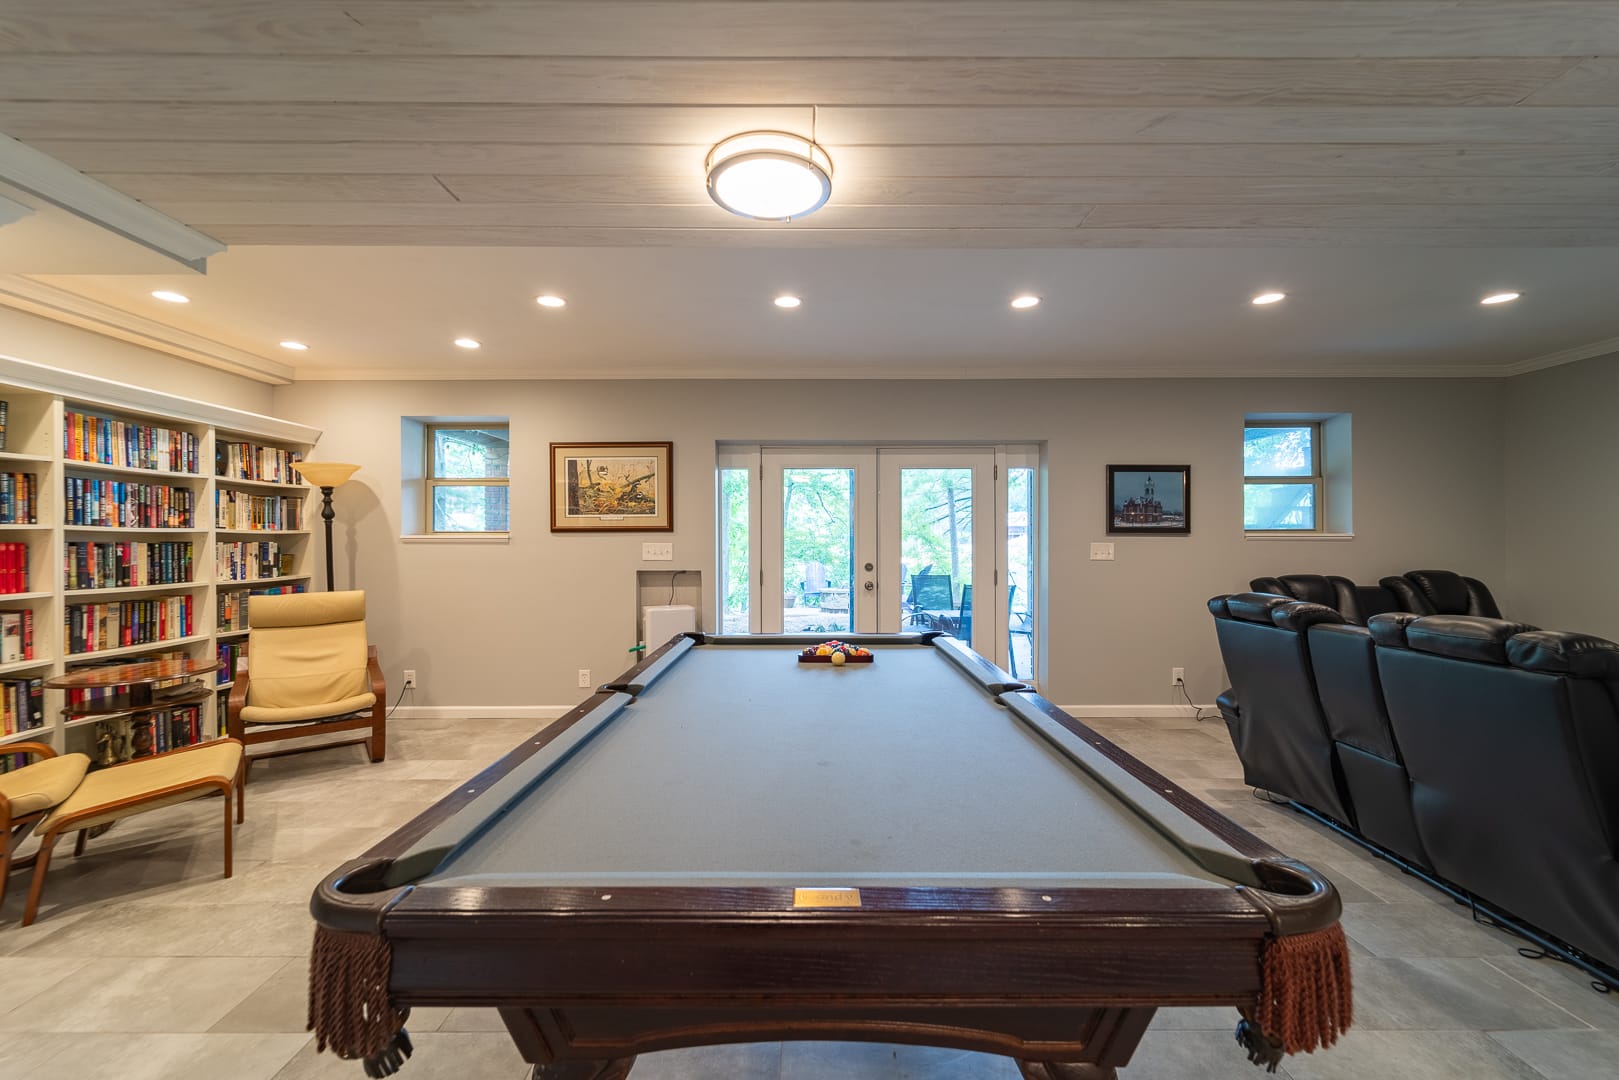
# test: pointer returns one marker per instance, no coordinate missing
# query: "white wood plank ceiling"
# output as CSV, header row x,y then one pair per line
x,y
974,123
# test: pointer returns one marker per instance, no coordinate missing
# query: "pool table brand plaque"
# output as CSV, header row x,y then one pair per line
x,y
826,898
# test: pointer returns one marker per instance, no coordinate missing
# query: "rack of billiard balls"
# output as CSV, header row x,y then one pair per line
x,y
835,653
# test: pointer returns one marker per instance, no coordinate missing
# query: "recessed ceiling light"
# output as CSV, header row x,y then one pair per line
x,y
295,346
1500,298
1269,298
1024,302
171,297
469,343
550,301
787,301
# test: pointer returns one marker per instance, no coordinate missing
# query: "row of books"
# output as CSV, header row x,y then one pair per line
x,y
239,510
231,653
13,567
22,705
19,499
249,461
108,441
247,560
127,564
124,738
16,636
129,505
231,605
93,627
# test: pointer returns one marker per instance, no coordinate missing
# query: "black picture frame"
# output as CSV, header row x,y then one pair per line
x,y
1149,500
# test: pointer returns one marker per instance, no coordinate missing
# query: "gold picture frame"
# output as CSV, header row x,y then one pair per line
x,y
612,487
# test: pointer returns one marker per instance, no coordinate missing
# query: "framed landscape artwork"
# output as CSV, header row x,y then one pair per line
x,y
1154,500
611,487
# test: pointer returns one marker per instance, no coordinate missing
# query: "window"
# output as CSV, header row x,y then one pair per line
x,y
468,473
1282,476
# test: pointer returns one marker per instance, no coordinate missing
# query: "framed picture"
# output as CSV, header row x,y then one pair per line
x,y
611,487
1154,500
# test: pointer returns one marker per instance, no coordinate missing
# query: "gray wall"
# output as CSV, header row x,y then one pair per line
x,y
1561,497
509,625
29,337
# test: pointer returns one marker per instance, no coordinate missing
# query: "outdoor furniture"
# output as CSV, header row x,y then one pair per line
x,y
961,623
933,598
1018,624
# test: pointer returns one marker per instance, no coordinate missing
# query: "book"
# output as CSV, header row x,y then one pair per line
x,y
10,637
5,409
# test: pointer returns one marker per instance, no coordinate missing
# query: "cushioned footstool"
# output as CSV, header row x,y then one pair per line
x,y
135,787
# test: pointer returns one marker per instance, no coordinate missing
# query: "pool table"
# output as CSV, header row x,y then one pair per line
x,y
728,845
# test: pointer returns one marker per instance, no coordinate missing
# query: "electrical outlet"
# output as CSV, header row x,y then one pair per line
x,y
1177,676
584,676
410,678
657,553
1101,552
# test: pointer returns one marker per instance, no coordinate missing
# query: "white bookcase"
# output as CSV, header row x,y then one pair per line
x,y
39,401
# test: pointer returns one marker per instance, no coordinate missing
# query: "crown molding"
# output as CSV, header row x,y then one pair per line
x,y
1565,356
59,305
40,174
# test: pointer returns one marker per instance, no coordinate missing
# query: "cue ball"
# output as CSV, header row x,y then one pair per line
x,y
837,659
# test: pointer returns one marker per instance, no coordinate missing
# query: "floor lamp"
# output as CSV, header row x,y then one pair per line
x,y
326,475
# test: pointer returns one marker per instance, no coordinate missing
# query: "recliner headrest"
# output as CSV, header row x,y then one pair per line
x,y
1465,637
1311,588
1445,589
1388,630
1249,607
1558,652
1300,616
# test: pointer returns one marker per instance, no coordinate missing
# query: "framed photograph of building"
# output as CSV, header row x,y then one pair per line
x,y
612,487
1154,500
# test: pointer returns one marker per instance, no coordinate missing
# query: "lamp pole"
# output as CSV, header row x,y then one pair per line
x,y
326,475
327,515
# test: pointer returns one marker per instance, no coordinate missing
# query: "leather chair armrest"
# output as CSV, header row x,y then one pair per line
x,y
37,749
233,705
373,667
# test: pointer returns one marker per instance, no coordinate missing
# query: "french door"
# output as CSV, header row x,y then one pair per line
x,y
861,539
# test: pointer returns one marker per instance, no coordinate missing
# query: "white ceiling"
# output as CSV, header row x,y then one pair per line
x,y
390,174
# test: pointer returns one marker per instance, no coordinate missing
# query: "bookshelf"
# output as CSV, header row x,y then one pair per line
x,y
146,516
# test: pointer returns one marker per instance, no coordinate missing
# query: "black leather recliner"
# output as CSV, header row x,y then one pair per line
x,y
1441,592
1279,731
1511,738
1356,603
1344,661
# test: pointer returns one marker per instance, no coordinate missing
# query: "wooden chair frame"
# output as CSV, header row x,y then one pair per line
x,y
198,788
375,721
14,830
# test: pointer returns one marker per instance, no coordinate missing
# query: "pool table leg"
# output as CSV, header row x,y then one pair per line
x,y
605,1069
1065,1070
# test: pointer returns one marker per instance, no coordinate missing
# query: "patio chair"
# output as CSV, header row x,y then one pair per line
x,y
1018,624
932,598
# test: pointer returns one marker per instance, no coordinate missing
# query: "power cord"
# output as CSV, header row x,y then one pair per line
x,y
672,575
400,698
1197,710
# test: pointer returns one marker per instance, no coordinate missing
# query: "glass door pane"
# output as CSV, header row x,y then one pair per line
x,y
736,582
1020,566
817,549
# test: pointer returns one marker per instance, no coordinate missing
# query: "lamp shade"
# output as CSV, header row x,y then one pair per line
x,y
325,473
769,175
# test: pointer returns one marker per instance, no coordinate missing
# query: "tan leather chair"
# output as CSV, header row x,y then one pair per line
x,y
29,793
309,672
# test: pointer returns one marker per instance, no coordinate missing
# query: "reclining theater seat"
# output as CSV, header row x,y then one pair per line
x,y
1441,592
1356,603
1511,737
1344,660
1280,732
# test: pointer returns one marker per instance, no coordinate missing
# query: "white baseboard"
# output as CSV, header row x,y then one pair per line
x,y
1150,711
480,712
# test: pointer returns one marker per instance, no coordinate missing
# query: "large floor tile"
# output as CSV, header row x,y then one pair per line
x,y
1428,1055
1567,986
24,976
1442,993
1419,929
141,995
279,1004
167,1057
1565,1055
1192,1055
438,1056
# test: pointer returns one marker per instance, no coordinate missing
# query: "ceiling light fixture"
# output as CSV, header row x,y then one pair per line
x,y
1501,298
787,301
769,175
295,346
1269,298
171,297
469,343
550,301
1023,303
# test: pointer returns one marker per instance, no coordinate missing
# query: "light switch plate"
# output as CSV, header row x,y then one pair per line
x,y
657,552
1101,552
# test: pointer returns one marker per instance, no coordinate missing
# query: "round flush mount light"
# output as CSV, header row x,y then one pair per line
x,y
295,346
1265,298
550,301
769,175
1024,303
171,297
787,301
1500,298
469,343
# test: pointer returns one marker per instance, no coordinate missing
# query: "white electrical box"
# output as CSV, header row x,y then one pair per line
x,y
664,621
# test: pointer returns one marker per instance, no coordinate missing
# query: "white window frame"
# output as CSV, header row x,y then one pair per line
x,y
1316,481
432,482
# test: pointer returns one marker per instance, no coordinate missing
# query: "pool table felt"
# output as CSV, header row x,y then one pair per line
x,y
738,766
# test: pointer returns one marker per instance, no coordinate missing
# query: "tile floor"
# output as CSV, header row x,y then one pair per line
x,y
145,964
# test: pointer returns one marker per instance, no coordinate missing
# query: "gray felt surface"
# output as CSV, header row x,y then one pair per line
x,y
742,767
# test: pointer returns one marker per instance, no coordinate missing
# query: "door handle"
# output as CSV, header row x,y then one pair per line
x,y
870,586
